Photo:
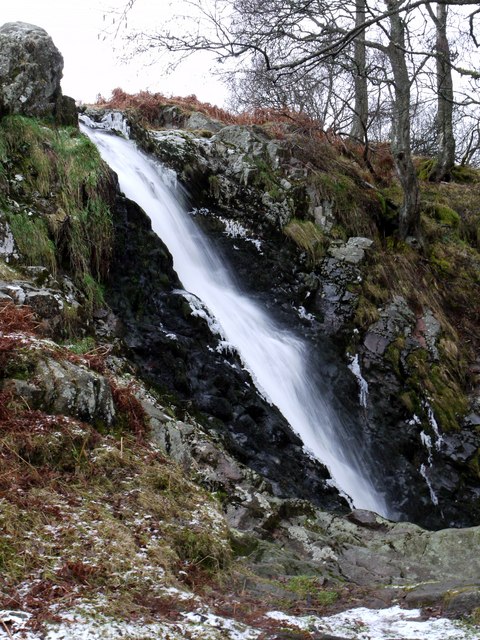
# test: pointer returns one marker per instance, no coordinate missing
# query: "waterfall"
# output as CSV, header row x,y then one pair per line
x,y
276,358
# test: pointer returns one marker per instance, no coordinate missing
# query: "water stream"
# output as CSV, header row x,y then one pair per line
x,y
276,358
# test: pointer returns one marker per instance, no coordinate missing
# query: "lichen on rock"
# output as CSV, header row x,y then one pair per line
x,y
31,69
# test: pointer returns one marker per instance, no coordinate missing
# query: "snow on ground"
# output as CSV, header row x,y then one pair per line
x,y
384,624
75,626
359,624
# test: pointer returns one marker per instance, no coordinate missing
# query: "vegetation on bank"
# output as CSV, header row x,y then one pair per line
x,y
91,511
94,511
56,194
98,515
438,271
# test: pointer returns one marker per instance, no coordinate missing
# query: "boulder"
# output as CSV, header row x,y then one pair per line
x,y
353,251
199,121
30,72
73,390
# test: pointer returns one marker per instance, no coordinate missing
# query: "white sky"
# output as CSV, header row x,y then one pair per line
x,y
91,64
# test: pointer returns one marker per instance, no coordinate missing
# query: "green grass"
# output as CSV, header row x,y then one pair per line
x,y
66,186
308,236
33,239
308,587
82,346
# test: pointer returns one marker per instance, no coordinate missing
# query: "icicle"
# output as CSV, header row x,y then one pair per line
x,y
354,367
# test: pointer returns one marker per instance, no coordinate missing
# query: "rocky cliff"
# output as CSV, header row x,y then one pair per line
x,y
145,490
381,316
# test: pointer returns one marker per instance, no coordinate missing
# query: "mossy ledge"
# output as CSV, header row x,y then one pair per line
x,y
56,198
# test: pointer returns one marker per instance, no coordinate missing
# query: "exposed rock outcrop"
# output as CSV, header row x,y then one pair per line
x,y
252,184
175,349
31,69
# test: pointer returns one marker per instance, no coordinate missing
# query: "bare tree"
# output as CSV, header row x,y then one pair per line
x,y
445,160
293,39
401,147
360,110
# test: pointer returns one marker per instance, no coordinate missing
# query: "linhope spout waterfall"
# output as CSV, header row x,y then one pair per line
x,y
276,358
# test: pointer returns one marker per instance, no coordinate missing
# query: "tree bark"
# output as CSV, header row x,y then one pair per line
x,y
401,150
360,113
445,160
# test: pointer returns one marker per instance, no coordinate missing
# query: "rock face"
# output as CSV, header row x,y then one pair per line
x,y
237,173
30,72
242,202
176,351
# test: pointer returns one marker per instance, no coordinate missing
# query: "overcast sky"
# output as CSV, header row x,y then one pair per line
x,y
92,66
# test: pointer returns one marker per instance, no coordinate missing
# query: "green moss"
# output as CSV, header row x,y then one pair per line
x,y
411,402
264,177
337,232
393,354
308,587
202,548
243,544
366,313
26,144
465,175
80,347
308,236
425,168
375,291
337,189
444,214
93,292
441,261
475,616
33,239
392,194
304,586
327,597
63,175
21,364
448,401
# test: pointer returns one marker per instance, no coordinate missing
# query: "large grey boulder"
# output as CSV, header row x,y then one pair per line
x,y
30,72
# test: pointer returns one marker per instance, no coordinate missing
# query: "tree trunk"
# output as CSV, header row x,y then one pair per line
x,y
360,113
409,211
446,142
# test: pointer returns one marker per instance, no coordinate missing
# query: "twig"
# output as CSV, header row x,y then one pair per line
x,y
19,456
6,629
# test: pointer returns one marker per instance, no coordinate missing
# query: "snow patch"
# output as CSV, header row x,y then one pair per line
x,y
304,315
79,625
433,423
199,310
234,229
7,244
429,443
111,121
354,367
228,628
384,624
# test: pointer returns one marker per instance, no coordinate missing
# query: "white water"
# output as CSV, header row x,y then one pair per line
x,y
275,357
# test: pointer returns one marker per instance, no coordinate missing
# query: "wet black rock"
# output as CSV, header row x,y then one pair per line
x,y
176,351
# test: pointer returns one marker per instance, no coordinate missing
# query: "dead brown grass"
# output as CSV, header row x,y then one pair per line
x,y
147,105
15,317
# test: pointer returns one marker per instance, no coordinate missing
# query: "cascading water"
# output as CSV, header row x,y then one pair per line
x,y
276,358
